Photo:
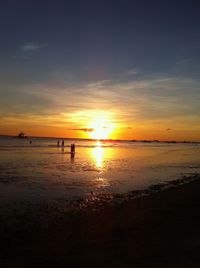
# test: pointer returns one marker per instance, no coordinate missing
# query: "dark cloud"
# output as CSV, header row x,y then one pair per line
x,y
83,129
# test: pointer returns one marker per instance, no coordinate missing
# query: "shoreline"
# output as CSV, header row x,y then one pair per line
x,y
159,229
98,201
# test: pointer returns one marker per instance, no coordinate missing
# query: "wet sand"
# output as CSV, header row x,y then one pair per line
x,y
159,229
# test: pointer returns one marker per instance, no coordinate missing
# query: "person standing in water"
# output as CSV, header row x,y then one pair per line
x,y
58,143
63,145
73,148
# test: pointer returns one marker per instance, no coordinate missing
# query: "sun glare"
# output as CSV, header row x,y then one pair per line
x,y
97,124
101,128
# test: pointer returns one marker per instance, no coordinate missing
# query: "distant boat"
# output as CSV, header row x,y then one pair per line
x,y
22,135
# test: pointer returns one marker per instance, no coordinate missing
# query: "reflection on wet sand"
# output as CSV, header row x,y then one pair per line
x,y
102,182
98,155
72,156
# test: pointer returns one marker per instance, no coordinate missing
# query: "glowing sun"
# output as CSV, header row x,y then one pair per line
x,y
101,128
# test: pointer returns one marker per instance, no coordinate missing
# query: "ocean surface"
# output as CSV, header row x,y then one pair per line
x,y
43,171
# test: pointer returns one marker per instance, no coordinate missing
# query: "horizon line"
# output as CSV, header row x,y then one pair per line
x,y
89,139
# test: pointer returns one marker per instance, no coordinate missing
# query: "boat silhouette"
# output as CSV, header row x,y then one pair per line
x,y
22,135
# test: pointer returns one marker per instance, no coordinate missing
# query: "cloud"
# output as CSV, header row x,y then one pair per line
x,y
156,101
187,68
83,129
132,72
33,46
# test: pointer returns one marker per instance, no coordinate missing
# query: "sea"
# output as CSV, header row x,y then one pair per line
x,y
41,170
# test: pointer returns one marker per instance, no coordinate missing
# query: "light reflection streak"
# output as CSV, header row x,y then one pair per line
x,y
98,155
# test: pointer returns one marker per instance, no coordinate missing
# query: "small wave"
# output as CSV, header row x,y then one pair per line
x,y
5,147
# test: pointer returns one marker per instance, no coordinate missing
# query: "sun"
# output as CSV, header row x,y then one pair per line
x,y
101,128
97,124
100,132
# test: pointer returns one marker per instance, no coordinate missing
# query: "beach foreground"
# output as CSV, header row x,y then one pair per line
x,y
157,230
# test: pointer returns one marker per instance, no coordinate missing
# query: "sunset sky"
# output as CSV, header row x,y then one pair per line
x,y
100,68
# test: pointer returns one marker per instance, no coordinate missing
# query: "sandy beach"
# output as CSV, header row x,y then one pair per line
x,y
160,229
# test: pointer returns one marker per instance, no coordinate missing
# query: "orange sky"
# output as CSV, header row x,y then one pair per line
x,y
101,125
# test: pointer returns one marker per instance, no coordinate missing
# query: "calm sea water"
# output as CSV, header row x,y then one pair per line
x,y
42,171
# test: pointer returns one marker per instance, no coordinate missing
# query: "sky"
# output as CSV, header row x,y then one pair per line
x,y
103,69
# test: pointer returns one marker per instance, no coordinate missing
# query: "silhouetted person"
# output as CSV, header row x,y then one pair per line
x,y
58,143
30,141
73,148
63,143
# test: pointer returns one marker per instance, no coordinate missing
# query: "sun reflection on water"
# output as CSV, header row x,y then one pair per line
x,y
98,155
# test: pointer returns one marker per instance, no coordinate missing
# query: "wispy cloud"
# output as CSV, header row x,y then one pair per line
x,y
132,72
154,102
83,129
33,46
189,67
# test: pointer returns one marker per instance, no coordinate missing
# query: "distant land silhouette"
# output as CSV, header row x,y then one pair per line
x,y
22,135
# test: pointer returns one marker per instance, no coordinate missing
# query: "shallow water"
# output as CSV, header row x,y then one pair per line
x,y
42,171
